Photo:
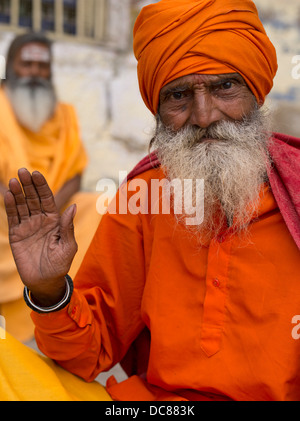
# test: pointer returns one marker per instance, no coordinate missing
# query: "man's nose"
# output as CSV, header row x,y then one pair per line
x,y
204,111
35,69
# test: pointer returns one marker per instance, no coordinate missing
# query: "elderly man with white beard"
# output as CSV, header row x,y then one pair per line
x,y
192,312
40,133
231,157
29,81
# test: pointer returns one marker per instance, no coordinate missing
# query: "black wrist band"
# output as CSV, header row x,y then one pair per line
x,y
57,307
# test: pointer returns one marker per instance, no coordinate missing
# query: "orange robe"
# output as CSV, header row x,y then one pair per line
x,y
58,153
220,316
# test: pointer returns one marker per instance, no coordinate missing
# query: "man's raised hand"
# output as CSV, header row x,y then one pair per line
x,y
42,241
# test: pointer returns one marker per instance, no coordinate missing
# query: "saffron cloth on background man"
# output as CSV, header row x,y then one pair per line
x,y
193,312
40,133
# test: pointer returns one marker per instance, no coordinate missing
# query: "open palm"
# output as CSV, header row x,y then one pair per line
x,y
42,241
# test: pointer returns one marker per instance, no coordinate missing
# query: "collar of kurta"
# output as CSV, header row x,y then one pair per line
x,y
284,178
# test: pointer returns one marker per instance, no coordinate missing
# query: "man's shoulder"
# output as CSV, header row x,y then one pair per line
x,y
284,150
285,178
67,112
66,106
146,167
284,139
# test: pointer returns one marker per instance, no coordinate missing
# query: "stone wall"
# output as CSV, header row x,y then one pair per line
x,y
282,23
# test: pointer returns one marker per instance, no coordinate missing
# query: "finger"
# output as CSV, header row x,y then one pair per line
x,y
67,226
20,201
44,192
31,195
11,210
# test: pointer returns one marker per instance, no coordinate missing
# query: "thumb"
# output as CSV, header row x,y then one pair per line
x,y
67,226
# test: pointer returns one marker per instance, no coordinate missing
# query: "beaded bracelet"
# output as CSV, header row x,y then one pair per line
x,y
57,307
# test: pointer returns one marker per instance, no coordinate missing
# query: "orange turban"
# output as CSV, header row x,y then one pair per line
x,y
174,38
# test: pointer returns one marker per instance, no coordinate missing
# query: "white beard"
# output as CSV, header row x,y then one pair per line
x,y
33,105
233,166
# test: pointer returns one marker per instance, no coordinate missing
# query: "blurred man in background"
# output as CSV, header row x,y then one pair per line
x,y
37,132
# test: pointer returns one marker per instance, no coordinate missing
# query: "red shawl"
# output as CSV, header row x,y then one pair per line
x,y
284,178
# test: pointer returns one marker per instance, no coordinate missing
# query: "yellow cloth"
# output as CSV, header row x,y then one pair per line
x,y
27,376
59,154
18,320
56,149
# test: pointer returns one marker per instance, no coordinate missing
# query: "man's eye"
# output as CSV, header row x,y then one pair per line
x,y
177,95
227,85
220,88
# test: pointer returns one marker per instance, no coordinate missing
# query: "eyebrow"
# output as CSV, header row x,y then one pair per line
x,y
226,77
182,86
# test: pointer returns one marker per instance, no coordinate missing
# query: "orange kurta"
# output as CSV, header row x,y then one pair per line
x,y
220,316
58,152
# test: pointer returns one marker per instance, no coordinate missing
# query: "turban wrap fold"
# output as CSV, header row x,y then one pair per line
x,y
174,38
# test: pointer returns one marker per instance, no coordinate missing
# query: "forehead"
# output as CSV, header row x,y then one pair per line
x,y
192,80
35,52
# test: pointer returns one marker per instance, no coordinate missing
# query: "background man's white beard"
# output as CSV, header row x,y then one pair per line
x,y
233,168
33,106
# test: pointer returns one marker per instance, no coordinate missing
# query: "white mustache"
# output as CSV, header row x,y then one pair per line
x,y
33,100
222,131
31,82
